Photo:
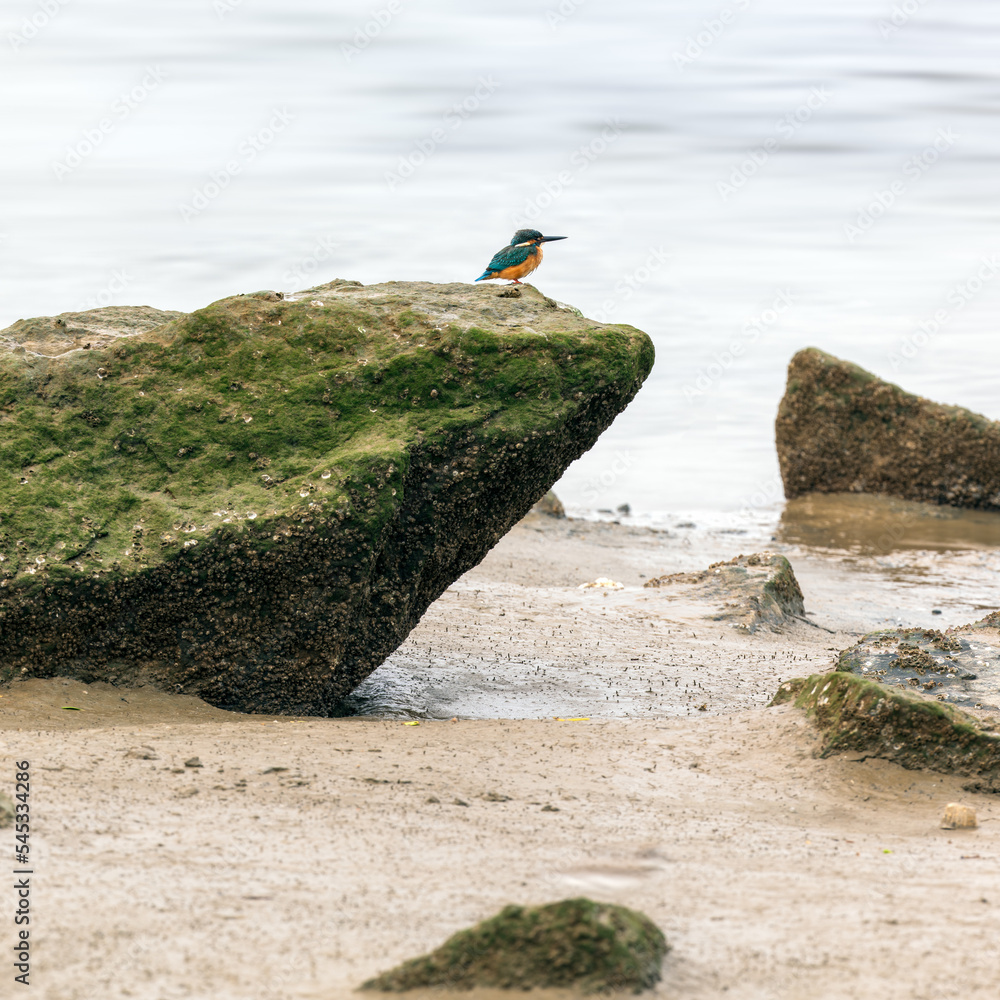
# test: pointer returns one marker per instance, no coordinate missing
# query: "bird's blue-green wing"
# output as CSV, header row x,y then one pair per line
x,y
509,257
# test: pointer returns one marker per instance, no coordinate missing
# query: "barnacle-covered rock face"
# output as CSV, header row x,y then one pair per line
x,y
961,666
256,502
840,429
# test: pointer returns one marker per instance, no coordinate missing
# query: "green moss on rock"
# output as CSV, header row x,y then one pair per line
x,y
574,943
855,714
840,429
257,501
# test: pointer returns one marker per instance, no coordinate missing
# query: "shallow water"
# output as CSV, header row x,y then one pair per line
x,y
618,125
877,525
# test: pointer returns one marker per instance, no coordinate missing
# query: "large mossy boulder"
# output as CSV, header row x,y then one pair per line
x,y
841,429
592,947
256,502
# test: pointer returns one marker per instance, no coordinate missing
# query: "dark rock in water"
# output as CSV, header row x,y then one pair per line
x,y
758,589
855,714
256,502
592,947
961,666
550,505
840,429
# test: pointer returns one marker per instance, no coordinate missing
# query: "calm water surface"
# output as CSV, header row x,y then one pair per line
x,y
739,179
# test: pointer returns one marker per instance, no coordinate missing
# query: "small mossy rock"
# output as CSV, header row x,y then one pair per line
x,y
841,429
961,666
758,589
578,943
550,505
855,714
256,502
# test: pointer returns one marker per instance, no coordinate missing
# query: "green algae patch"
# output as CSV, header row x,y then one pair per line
x,y
593,947
841,429
855,714
257,501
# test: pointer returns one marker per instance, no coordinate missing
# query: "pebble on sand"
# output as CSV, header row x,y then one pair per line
x,y
958,817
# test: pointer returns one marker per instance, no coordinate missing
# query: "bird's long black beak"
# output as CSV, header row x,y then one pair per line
x,y
548,239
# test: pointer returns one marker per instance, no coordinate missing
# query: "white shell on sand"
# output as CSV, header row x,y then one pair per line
x,y
603,583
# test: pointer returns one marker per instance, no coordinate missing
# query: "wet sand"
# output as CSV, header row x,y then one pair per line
x,y
517,638
308,854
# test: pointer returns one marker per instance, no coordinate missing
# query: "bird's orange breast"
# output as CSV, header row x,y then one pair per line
x,y
518,271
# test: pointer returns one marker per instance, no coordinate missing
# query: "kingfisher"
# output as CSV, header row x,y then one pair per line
x,y
519,258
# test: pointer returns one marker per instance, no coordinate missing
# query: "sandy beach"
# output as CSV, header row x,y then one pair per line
x,y
304,855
